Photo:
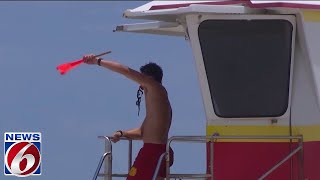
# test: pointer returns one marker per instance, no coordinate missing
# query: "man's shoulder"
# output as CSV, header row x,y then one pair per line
x,y
158,87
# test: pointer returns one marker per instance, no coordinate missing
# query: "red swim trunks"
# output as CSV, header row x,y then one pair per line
x,y
146,162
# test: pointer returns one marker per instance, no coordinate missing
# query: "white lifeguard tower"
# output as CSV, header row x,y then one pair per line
x,y
258,65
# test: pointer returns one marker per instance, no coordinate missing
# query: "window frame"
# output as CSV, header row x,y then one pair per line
x,y
193,22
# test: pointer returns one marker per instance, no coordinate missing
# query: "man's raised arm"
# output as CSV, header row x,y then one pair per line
x,y
119,68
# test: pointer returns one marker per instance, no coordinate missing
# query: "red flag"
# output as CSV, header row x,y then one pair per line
x,y
64,68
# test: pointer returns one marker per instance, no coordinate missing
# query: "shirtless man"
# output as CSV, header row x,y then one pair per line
x,y
155,127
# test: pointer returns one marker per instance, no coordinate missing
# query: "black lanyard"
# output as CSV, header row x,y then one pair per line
x,y
139,94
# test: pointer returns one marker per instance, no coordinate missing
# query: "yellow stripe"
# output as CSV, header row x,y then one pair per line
x,y
310,133
311,16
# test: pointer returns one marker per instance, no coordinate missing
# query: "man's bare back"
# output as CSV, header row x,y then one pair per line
x,y
156,125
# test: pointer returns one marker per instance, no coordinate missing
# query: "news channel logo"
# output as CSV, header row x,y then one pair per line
x,y
22,154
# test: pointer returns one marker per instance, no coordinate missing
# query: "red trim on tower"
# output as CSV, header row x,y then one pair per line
x,y
250,160
311,160
172,6
247,2
283,5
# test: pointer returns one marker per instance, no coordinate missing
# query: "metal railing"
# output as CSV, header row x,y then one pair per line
x,y
215,137
100,164
202,139
108,163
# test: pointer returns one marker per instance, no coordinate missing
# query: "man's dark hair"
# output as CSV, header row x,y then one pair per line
x,y
152,69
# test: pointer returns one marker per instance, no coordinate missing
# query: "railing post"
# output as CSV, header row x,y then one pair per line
x,y
130,155
156,172
212,154
167,156
301,160
96,174
108,160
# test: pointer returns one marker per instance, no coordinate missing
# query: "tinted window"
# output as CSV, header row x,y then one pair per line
x,y
247,65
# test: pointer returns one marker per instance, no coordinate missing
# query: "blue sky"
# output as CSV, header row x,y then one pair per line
x,y
72,110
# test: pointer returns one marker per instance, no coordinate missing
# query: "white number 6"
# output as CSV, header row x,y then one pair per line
x,y
15,165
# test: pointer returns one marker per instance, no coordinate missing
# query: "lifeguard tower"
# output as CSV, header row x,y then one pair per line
x,y
258,65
